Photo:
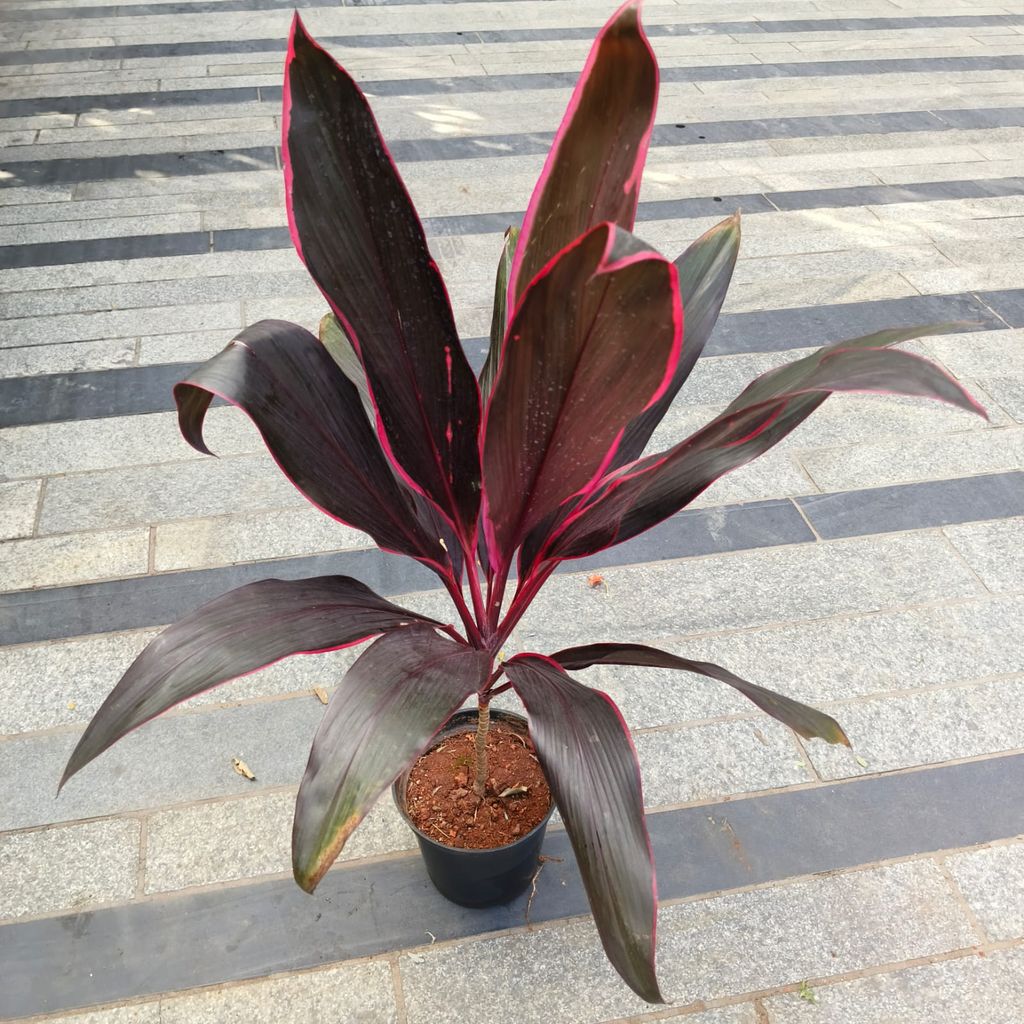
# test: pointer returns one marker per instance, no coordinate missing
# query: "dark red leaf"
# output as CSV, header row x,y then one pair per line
x,y
654,488
802,719
356,230
591,766
382,716
500,315
705,270
311,419
231,636
593,170
592,344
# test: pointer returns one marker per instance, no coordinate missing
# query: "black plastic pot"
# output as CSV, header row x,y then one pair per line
x,y
477,878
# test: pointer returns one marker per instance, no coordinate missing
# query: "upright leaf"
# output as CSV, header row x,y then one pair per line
x,y
311,419
356,230
592,344
705,270
801,718
499,317
382,716
589,760
593,170
650,490
231,636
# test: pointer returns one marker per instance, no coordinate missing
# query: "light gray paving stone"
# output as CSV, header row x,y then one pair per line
x,y
968,990
129,323
992,881
35,194
18,504
70,229
1008,392
994,550
133,147
707,761
78,446
744,589
844,658
741,1013
64,682
64,869
797,930
175,759
182,348
195,543
67,358
889,733
75,558
137,1013
150,494
981,355
906,460
153,128
356,994
222,842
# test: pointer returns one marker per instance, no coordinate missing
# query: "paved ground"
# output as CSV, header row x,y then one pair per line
x,y
872,564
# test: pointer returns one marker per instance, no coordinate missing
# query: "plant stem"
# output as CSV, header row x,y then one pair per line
x,y
483,722
453,588
474,590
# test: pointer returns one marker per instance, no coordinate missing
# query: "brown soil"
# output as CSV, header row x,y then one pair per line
x,y
441,802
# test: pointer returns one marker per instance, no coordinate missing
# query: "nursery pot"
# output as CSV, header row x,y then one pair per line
x,y
477,878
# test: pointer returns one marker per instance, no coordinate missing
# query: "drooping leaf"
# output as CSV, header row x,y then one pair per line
x,y
356,230
801,718
593,342
705,270
382,716
590,764
231,636
650,490
499,317
593,170
309,415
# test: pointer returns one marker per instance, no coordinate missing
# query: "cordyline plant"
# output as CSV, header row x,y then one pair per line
x,y
381,423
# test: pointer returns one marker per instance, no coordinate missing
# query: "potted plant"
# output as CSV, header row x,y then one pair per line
x,y
381,423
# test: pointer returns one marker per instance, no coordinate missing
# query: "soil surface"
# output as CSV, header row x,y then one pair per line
x,y
441,802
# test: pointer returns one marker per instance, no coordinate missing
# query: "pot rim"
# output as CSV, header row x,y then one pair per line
x,y
467,715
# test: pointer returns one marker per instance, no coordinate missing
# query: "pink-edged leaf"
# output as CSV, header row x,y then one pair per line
x,y
648,491
705,270
431,520
310,416
807,721
500,314
383,715
231,636
592,344
357,231
593,170
591,766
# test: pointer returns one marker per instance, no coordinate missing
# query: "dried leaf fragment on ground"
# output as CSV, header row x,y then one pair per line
x,y
242,768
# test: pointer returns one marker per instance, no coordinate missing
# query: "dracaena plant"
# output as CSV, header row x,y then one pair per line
x,y
381,423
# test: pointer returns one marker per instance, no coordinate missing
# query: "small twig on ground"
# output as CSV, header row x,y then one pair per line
x,y
541,860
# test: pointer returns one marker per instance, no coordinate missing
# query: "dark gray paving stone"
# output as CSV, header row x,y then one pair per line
x,y
47,614
104,168
184,941
915,506
46,172
873,195
781,329
190,48
92,250
95,394
1008,304
510,82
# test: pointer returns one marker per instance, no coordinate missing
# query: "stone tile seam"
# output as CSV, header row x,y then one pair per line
x,y
783,883
964,560
961,900
555,827
823,981
397,989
